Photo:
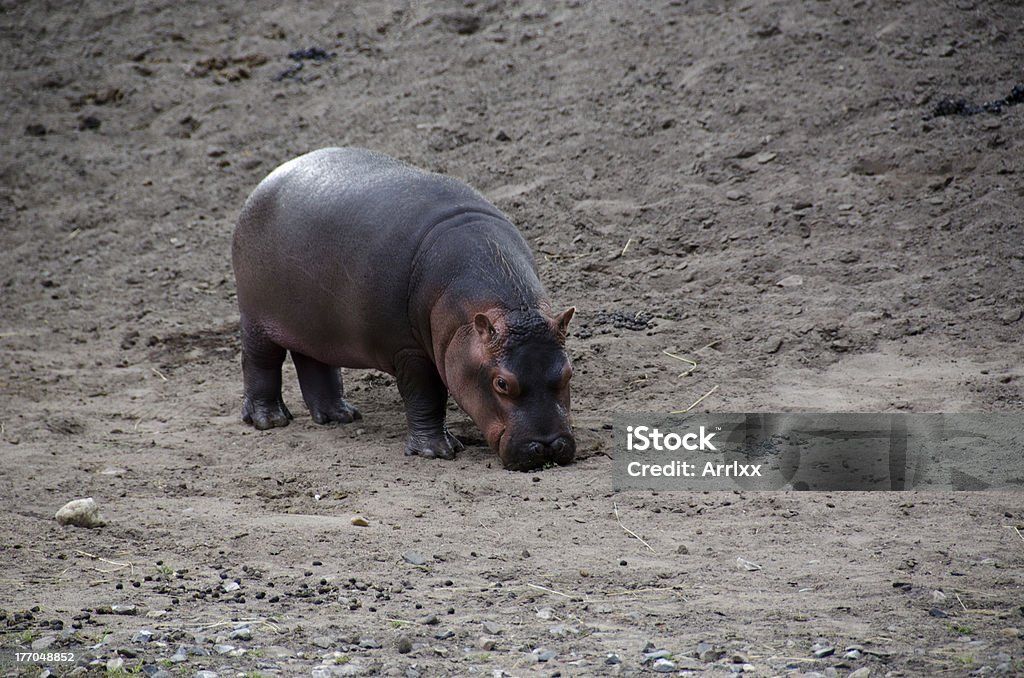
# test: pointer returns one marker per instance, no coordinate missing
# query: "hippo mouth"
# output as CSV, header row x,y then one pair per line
x,y
530,455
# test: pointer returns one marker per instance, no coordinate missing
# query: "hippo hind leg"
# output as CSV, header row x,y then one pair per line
x,y
322,390
263,406
426,398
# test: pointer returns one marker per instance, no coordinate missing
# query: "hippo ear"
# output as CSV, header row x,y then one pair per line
x,y
484,327
562,321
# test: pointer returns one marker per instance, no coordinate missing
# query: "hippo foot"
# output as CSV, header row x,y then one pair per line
x,y
339,411
264,415
433,446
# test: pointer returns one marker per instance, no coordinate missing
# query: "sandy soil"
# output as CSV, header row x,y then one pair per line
x,y
669,162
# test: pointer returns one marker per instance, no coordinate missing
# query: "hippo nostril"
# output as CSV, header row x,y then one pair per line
x,y
558,446
534,449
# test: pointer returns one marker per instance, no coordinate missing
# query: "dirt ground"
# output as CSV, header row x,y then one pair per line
x,y
671,163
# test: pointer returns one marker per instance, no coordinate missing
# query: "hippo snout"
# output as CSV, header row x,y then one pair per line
x,y
531,454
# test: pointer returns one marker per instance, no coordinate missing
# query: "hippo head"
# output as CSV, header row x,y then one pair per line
x,y
512,377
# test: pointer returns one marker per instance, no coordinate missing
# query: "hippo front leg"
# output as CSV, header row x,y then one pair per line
x,y
426,399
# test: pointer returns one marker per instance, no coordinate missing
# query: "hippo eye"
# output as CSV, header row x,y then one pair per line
x,y
500,385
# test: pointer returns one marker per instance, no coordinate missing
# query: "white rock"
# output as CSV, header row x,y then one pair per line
x,y
80,512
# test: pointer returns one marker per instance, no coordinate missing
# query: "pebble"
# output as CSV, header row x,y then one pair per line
x,y
323,642
862,672
791,281
542,654
772,344
427,620
154,671
180,656
707,652
115,664
735,195
658,654
40,644
243,633
546,613
664,666
414,558
205,674
230,586
487,643
822,650
223,649
1012,315
613,659
444,634
143,636
360,521
277,652
80,513
403,645
124,609
370,643
562,630
492,628
766,157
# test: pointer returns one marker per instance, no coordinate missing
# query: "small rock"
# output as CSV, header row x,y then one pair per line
x,y
143,636
744,564
546,613
88,122
370,643
791,281
735,195
360,521
613,659
115,664
862,672
937,613
205,674
502,136
707,652
1012,315
562,630
427,620
230,586
323,642
414,558
444,634
766,157
243,633
154,671
487,643
223,648
542,654
124,609
35,129
80,513
853,654
492,628
822,650
215,151
658,654
180,656
772,344
403,645
277,652
664,666
40,644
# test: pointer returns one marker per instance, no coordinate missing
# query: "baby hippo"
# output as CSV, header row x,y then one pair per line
x,y
348,258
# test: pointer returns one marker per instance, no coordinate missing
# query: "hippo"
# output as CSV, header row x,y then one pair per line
x,y
346,257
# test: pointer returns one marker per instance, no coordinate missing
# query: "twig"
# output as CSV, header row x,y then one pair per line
x,y
691,363
120,566
651,590
544,588
629,241
494,532
697,401
616,509
1012,527
960,601
158,373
